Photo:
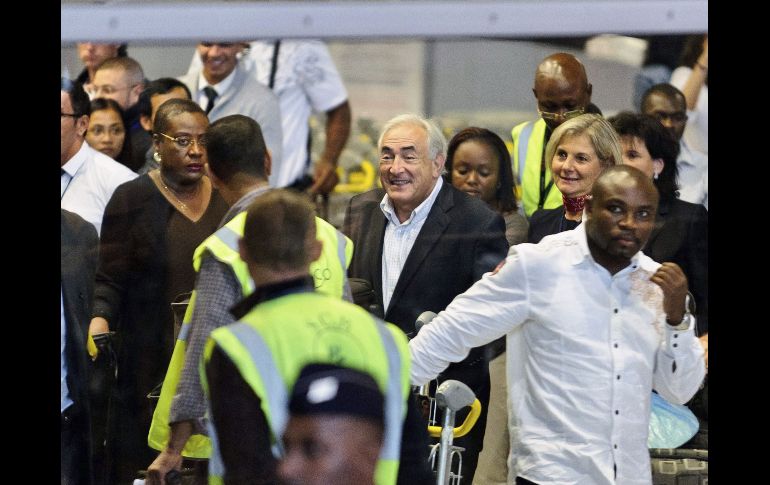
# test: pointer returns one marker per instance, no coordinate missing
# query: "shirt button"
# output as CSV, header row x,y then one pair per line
x,y
617,412
616,310
618,376
616,345
675,345
616,446
676,335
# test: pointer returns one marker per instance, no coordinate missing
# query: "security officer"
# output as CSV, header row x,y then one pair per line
x,y
562,91
239,164
251,366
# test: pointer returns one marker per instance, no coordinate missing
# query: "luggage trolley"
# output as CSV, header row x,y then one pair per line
x,y
451,396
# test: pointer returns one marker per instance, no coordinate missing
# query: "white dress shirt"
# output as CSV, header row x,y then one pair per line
x,y
697,130
591,347
693,175
399,239
89,180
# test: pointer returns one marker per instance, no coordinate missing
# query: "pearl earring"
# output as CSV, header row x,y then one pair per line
x,y
655,176
156,157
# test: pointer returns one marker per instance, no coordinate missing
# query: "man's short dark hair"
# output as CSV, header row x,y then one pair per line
x,y
234,144
669,91
81,105
171,108
159,86
277,230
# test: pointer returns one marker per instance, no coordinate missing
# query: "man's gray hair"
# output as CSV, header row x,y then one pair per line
x,y
436,142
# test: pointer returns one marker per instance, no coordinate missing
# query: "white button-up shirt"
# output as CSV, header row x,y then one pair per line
x,y
399,239
693,175
89,180
585,348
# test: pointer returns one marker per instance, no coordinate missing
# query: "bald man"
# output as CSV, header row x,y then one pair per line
x,y
592,347
562,92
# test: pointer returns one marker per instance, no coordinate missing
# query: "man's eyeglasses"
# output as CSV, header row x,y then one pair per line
x,y
546,115
185,141
71,115
676,117
93,91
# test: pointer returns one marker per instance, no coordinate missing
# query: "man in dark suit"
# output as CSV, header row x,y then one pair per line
x,y
421,242
79,246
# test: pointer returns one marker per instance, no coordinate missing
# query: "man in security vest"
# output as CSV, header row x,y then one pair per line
x,y
239,164
562,92
335,428
250,367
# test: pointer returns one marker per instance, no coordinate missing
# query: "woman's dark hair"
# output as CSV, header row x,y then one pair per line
x,y
505,193
659,142
99,104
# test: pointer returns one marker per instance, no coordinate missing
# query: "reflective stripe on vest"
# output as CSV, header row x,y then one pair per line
x,y
523,143
387,465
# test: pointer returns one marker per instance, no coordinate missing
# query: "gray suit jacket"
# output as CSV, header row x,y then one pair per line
x,y
247,96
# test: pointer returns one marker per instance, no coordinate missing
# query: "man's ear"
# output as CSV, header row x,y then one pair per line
x,y
82,125
214,179
144,120
440,161
137,90
242,251
269,164
314,251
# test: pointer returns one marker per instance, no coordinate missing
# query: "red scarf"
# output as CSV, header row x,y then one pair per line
x,y
574,205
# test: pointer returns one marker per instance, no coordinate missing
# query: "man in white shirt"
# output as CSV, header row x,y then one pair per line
x,y
600,326
667,104
88,177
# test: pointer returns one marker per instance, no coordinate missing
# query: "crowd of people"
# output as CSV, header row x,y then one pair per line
x,y
569,275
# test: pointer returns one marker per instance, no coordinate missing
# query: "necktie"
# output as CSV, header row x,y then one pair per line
x,y
210,93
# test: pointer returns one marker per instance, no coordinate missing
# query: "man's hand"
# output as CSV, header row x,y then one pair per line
x,y
673,282
166,461
704,341
324,178
98,325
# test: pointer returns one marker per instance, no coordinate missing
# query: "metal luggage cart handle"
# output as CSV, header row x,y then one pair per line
x,y
463,429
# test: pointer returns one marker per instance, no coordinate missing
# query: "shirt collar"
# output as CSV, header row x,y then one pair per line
x,y
220,87
73,164
270,292
419,214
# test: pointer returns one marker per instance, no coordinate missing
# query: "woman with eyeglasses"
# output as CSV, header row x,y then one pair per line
x,y
578,150
107,131
150,230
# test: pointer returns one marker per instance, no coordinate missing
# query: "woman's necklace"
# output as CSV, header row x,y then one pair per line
x,y
182,206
